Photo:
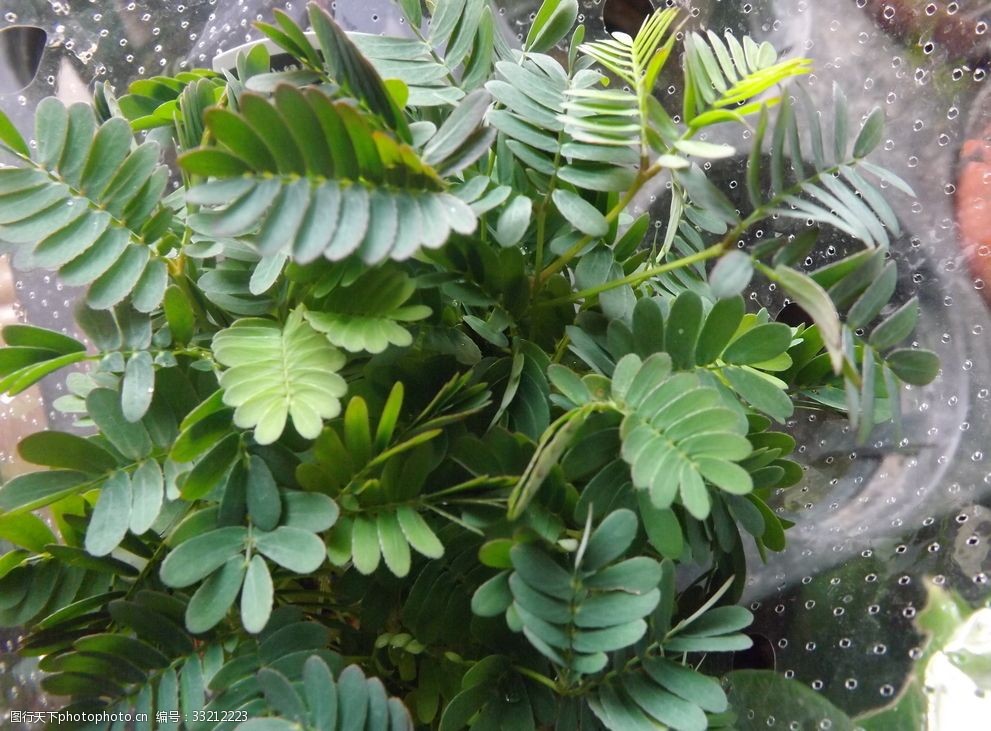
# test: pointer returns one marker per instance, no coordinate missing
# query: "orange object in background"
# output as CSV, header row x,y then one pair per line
x,y
973,203
958,29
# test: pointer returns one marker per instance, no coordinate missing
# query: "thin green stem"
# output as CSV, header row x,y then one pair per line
x,y
636,278
433,52
536,677
538,256
764,209
565,258
561,349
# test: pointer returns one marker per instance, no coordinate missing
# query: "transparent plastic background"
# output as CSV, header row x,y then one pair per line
x,y
876,523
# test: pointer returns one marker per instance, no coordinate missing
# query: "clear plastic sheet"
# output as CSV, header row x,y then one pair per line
x,y
879,526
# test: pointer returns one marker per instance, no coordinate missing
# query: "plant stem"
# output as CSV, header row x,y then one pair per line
x,y
636,278
537,677
565,258
542,208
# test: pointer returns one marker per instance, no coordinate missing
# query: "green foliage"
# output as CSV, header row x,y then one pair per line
x,y
88,204
393,376
275,373
575,617
722,76
307,177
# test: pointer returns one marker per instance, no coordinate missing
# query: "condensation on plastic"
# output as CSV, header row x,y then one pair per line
x,y
876,524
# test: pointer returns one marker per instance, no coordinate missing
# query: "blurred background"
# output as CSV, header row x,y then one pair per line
x,y
881,528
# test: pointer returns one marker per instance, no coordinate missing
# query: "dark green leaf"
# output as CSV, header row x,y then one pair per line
x,y
610,539
26,530
10,137
814,300
457,128
15,359
539,570
874,298
19,380
179,315
133,650
151,625
493,597
648,327
310,511
495,553
917,367
353,698
201,555
147,489
202,428
353,71
36,337
37,489
758,344
321,694
662,527
870,134
721,324
65,451
137,386
263,501
281,695
682,329
514,221
212,601
464,706
129,439
760,393
898,326
212,163
208,473
552,24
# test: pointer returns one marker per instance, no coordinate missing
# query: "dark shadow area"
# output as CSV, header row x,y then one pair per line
x,y
759,657
21,49
626,16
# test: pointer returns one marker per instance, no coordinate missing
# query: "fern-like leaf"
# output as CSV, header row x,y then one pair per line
x,y
722,79
617,117
678,434
834,192
355,698
154,102
574,616
412,61
463,29
306,176
336,58
637,60
534,96
87,204
275,373
652,690
367,314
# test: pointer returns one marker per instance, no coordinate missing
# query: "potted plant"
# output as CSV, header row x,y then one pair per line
x,y
396,416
